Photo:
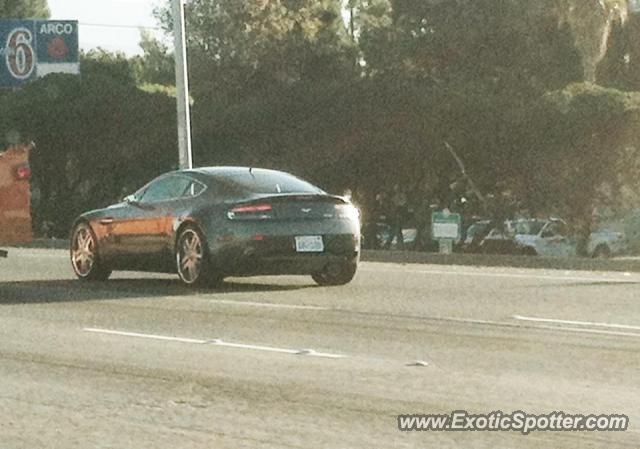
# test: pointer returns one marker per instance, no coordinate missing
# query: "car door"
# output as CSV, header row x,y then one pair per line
x,y
553,240
140,234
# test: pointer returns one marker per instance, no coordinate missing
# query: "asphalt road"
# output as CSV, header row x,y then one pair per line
x,y
141,362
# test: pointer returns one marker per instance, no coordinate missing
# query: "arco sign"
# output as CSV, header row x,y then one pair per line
x,y
35,48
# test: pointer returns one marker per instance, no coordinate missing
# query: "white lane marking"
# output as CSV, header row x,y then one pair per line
x,y
216,342
577,323
499,275
265,304
589,331
543,327
45,255
137,335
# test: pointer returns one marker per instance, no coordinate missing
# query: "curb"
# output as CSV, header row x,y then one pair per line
x,y
478,260
43,244
485,260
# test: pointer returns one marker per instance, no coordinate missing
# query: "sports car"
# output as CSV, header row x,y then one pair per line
x,y
208,223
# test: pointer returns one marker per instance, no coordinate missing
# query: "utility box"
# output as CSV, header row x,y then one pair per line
x,y
15,196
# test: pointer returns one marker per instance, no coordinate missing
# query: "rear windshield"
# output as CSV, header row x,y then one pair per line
x,y
268,182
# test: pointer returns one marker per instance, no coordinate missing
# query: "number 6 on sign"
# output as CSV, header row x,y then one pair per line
x,y
19,54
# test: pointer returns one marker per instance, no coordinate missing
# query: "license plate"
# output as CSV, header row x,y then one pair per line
x,y
309,244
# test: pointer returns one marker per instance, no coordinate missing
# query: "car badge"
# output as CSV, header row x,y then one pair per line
x,y
305,210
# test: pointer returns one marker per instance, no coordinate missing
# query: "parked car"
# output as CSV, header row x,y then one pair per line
x,y
550,237
475,235
503,242
384,230
208,223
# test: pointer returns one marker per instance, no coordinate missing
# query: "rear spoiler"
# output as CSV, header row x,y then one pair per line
x,y
302,196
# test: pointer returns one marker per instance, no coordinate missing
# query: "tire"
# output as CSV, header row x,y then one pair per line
x,y
602,252
85,258
336,273
192,259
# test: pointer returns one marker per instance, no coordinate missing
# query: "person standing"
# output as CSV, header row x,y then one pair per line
x,y
398,216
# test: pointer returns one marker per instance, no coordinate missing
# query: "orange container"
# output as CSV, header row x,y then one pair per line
x,y
15,199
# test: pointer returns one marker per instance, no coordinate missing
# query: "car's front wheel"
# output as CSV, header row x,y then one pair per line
x,y
85,258
192,260
340,273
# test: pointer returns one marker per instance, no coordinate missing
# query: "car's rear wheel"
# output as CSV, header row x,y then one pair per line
x,y
85,258
192,260
338,273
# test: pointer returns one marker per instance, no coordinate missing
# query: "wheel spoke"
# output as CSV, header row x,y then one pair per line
x,y
186,245
193,244
192,272
80,240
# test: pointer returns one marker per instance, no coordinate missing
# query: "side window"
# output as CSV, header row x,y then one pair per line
x,y
554,229
165,189
194,188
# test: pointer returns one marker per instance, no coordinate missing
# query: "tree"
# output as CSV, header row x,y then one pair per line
x,y
582,151
240,47
156,65
515,44
98,136
620,68
24,9
591,22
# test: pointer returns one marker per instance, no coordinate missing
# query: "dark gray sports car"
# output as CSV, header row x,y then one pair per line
x,y
208,223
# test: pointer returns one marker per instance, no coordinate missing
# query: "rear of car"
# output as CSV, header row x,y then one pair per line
x,y
275,223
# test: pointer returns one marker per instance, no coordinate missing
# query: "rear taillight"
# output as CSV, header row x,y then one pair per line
x,y
23,173
251,212
347,211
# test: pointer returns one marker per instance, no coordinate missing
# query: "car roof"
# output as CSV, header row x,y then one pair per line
x,y
229,170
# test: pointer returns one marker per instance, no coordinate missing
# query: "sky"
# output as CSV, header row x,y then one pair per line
x,y
110,24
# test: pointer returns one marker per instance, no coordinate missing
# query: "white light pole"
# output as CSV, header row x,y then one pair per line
x,y
182,86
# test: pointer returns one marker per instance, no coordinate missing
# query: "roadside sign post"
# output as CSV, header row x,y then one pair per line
x,y
182,86
446,228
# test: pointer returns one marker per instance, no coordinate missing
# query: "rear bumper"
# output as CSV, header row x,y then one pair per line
x,y
284,265
277,255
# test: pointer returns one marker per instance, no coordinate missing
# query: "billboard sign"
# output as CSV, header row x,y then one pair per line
x,y
35,48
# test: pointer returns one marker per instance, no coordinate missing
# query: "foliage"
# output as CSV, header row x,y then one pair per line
x,y
97,136
588,152
156,65
24,9
235,47
591,23
362,103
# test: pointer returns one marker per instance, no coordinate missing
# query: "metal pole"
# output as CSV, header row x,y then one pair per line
x,y
182,86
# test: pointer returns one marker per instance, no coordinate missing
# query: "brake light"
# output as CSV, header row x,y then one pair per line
x,y
347,211
251,211
23,173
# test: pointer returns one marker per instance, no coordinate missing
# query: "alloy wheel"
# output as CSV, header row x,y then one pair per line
x,y
190,255
83,254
